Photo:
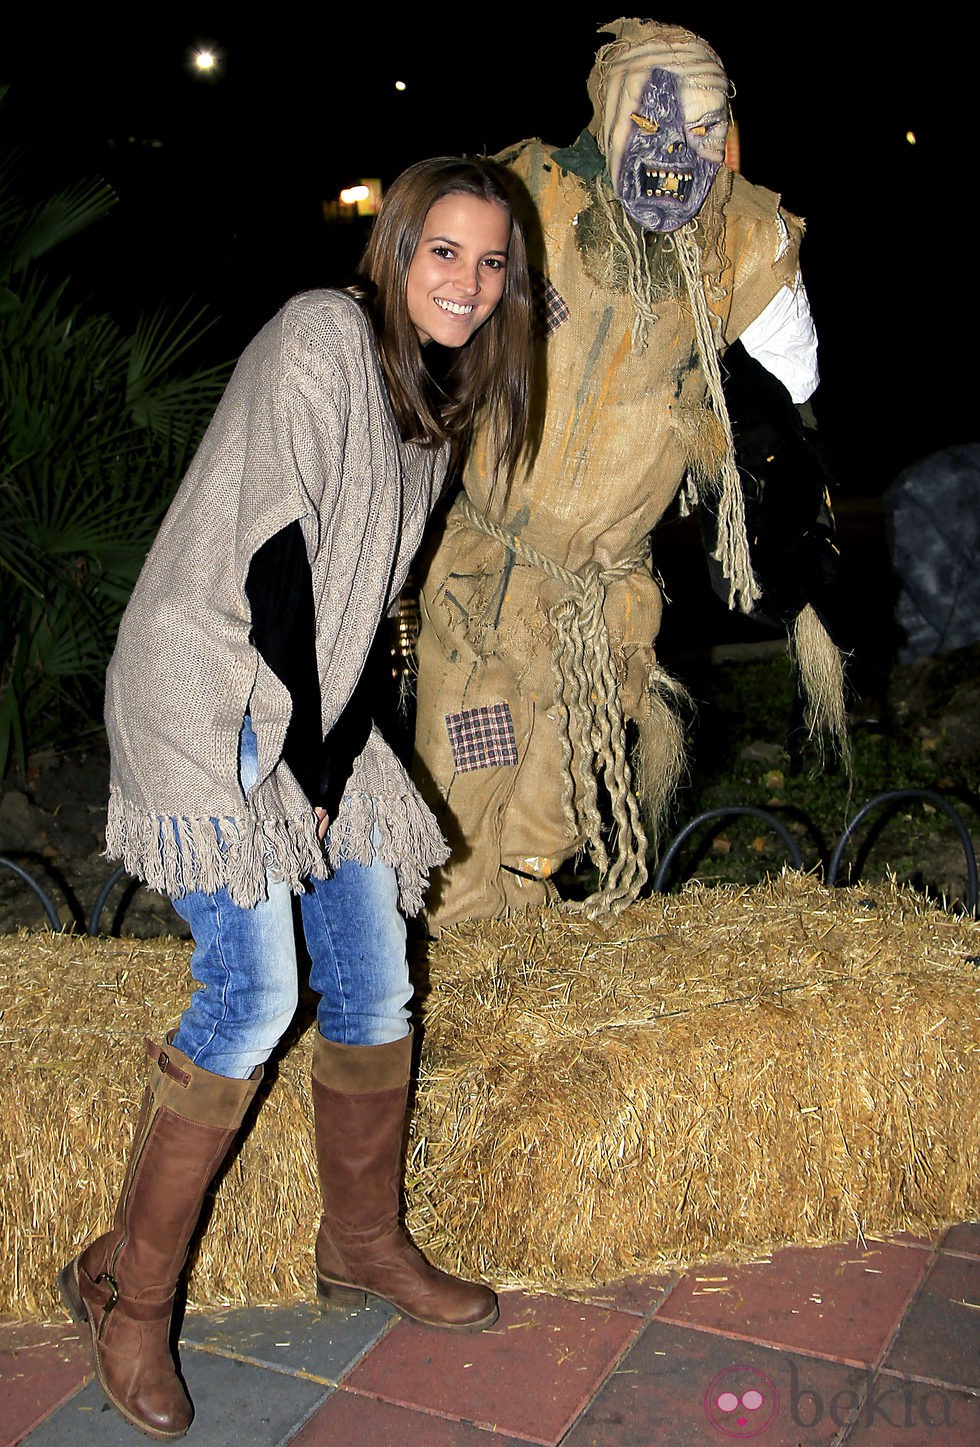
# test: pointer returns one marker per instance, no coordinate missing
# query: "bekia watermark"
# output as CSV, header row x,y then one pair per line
x,y
741,1402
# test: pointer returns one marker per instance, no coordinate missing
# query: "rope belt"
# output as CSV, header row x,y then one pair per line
x,y
593,738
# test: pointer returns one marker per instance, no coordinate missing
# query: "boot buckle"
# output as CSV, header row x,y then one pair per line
x,y
113,1287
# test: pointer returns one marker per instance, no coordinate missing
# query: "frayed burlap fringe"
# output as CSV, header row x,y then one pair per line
x,y
821,670
705,1076
660,754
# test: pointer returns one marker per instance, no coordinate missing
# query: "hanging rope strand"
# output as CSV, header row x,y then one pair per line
x,y
733,548
594,734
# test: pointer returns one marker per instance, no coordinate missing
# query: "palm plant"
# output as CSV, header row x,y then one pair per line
x,y
97,428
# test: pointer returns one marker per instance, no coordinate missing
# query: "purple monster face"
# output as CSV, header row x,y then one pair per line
x,y
675,146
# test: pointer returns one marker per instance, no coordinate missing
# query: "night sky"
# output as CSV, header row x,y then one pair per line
x,y
221,182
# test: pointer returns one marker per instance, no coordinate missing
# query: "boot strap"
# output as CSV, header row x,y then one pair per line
x,y
105,1294
166,1065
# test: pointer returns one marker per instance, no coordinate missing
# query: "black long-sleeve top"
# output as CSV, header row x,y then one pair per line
x,y
279,588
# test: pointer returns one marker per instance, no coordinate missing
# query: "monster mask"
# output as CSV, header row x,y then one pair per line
x,y
661,119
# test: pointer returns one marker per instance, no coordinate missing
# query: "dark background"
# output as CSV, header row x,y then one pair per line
x,y
221,182
221,187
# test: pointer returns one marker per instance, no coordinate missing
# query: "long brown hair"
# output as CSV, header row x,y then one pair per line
x,y
491,371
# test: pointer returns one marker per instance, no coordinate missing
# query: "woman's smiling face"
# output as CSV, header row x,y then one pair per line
x,y
456,277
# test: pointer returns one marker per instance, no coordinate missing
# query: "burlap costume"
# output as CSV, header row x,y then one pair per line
x,y
624,415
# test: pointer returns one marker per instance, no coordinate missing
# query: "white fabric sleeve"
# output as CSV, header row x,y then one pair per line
x,y
784,340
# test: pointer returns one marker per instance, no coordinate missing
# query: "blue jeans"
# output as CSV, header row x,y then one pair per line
x,y
246,967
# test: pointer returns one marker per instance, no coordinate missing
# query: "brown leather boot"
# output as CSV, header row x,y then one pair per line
x,y
123,1285
359,1098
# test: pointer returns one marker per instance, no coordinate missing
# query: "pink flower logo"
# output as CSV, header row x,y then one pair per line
x,y
741,1402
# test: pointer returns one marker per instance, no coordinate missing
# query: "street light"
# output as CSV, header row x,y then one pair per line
x,y
364,194
205,61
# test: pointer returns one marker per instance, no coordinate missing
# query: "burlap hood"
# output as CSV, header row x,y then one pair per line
x,y
621,69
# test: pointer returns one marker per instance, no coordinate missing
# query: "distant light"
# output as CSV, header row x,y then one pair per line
x,y
910,137
205,60
400,85
352,194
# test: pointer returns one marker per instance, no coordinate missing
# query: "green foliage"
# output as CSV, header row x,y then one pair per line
x,y
98,427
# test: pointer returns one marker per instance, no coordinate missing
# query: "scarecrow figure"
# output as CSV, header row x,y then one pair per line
x,y
544,718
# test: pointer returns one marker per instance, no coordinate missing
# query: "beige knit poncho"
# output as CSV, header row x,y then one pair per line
x,y
304,432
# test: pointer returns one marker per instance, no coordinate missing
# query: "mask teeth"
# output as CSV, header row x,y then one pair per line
x,y
666,182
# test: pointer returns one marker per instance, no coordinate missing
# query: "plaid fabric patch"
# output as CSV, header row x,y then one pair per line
x,y
482,738
550,307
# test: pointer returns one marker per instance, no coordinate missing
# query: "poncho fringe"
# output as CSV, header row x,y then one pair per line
x,y
177,855
399,831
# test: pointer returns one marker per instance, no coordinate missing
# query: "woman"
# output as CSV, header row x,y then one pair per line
x,y
245,768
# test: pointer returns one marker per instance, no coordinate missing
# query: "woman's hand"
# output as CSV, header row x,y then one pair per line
x,y
323,822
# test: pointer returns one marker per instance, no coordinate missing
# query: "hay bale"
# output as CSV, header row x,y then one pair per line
x,y
74,1013
710,1075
